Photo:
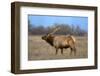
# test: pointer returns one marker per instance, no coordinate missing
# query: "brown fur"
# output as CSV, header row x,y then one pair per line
x,y
61,42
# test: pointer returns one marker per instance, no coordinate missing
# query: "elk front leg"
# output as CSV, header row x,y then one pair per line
x,y
56,51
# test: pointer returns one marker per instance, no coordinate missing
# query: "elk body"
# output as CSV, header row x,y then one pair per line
x,y
60,42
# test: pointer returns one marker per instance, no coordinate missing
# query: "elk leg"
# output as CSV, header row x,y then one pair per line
x,y
71,51
61,51
71,46
74,51
56,51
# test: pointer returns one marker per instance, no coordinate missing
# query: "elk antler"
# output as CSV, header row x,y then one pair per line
x,y
56,29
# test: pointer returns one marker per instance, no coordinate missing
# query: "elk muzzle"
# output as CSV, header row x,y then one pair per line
x,y
44,37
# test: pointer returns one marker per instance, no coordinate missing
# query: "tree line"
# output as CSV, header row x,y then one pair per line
x,y
64,29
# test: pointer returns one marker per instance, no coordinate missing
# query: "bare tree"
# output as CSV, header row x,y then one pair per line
x,y
64,29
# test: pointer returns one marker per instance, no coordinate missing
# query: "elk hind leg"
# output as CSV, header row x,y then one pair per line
x,y
74,49
71,51
61,51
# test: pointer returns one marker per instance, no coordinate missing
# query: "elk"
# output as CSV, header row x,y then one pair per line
x,y
60,42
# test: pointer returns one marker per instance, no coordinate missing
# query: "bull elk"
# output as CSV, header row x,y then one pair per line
x,y
60,42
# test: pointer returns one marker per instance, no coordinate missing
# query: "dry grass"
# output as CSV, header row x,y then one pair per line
x,y
38,49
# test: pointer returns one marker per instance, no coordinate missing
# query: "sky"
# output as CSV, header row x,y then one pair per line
x,y
38,20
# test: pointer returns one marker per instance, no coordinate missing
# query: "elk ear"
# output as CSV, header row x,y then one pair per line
x,y
47,34
51,35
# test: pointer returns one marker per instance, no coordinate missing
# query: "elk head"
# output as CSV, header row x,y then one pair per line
x,y
49,38
50,35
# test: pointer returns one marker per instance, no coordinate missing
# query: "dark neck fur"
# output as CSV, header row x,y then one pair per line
x,y
50,40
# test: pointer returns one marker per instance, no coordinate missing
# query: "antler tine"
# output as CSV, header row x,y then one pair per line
x,y
56,29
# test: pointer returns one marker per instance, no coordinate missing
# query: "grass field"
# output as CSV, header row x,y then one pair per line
x,y
38,49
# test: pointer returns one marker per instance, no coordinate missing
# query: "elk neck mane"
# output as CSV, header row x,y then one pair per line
x,y
50,40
